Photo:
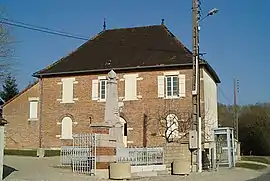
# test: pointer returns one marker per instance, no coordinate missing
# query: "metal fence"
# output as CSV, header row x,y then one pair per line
x,y
81,156
141,156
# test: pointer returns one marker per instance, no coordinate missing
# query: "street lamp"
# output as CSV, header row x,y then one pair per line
x,y
196,77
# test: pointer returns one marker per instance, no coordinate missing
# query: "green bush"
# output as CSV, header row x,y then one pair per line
x,y
31,153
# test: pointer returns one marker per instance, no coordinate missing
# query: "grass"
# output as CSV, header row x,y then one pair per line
x,y
252,166
260,159
31,153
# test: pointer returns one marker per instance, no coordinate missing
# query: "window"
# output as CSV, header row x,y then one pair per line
x,y
131,87
172,86
102,89
66,128
33,109
67,90
99,88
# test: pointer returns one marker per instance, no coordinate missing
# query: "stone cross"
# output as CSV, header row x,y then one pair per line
x,y
112,117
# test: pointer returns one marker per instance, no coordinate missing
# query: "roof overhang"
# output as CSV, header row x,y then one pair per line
x,y
203,63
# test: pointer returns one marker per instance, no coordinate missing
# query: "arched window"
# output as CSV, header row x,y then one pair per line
x,y
172,127
124,130
66,128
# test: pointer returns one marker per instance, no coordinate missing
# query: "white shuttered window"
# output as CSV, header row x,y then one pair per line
x,y
131,86
171,86
33,109
66,129
99,89
67,90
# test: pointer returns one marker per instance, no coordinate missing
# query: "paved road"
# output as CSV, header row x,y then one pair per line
x,y
37,169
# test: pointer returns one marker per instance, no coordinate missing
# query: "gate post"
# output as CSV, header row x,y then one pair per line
x,y
2,137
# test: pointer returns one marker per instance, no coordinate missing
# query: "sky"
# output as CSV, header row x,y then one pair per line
x,y
235,40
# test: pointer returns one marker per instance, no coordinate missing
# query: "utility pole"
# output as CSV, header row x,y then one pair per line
x,y
235,90
196,80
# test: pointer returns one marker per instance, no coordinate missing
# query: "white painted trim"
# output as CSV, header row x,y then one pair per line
x,y
121,80
139,96
58,136
132,75
75,82
67,102
171,73
101,100
121,98
59,83
75,99
75,123
130,99
33,119
172,97
33,98
102,77
68,78
59,99
139,78
130,129
129,142
59,123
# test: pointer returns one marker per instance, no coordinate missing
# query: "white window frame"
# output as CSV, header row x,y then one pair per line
x,y
172,86
33,100
100,89
64,134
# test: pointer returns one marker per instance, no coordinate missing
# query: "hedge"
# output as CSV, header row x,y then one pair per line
x,y
31,153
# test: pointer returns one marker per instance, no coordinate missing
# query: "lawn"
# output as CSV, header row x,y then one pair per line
x,y
260,159
252,166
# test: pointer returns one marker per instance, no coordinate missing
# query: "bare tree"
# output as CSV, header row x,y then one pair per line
x,y
6,50
173,122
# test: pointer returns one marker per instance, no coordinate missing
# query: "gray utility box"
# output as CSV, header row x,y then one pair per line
x,y
193,139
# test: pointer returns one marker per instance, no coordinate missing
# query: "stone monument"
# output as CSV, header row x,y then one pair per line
x,y
112,117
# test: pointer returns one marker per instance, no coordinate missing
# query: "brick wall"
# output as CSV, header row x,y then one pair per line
x,y
85,111
176,151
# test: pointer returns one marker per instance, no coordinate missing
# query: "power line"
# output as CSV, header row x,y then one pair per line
x,y
223,94
40,29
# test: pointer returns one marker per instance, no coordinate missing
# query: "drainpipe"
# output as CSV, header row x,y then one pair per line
x,y
40,110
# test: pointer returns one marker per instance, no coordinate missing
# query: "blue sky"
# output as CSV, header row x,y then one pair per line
x,y
236,39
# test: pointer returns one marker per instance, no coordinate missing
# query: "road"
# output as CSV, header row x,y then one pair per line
x,y
37,169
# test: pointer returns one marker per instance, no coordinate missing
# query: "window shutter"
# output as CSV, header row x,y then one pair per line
x,y
66,129
33,112
130,87
95,89
67,92
182,85
161,86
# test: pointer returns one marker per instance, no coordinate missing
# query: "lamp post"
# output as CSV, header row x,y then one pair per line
x,y
196,76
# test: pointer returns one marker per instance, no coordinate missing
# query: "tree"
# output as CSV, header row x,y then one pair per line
x,y
6,51
10,88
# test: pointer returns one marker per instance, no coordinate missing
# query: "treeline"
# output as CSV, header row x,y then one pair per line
x,y
254,126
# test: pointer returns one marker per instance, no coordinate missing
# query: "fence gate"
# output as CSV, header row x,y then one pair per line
x,y
81,156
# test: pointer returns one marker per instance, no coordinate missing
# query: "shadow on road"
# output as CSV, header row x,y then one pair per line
x,y
7,170
264,177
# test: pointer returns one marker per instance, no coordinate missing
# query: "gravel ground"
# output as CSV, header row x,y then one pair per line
x,y
41,169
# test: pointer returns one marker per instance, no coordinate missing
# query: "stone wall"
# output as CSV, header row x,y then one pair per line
x,y
176,151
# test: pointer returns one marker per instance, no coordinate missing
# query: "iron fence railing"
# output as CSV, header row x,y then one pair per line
x,y
141,156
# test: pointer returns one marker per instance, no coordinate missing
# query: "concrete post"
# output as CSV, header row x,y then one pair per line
x,y
2,137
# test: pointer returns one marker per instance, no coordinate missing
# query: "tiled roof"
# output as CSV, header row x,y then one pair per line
x,y
125,48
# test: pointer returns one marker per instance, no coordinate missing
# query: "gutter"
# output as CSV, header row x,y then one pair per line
x,y
40,110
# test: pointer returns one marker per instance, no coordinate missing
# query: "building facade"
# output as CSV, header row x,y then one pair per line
x,y
154,72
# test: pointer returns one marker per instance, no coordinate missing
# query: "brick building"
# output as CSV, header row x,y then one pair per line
x,y
154,81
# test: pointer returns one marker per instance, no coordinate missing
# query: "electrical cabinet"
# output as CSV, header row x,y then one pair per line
x,y
193,139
